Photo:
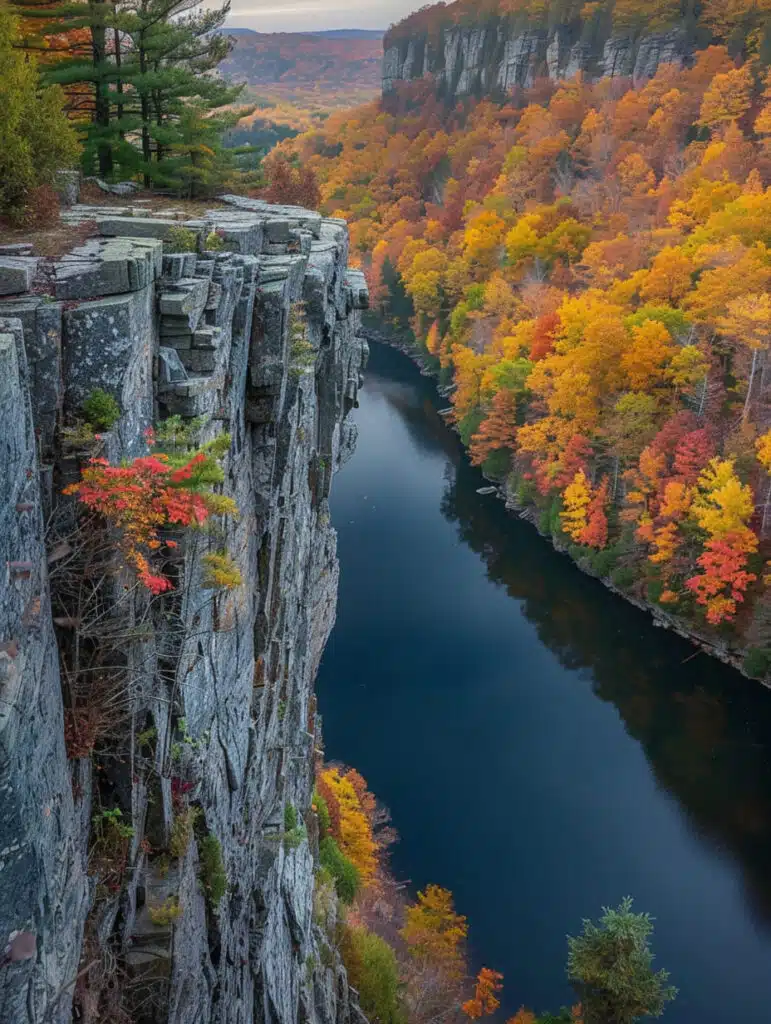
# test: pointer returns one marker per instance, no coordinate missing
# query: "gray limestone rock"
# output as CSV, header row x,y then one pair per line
x,y
43,884
42,324
475,59
16,274
108,267
138,227
212,339
68,187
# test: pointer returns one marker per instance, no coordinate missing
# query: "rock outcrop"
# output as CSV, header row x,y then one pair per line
x,y
214,734
497,56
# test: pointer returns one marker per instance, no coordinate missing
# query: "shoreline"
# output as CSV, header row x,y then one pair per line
x,y
734,657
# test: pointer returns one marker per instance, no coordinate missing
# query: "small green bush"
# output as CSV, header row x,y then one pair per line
x,y
525,491
302,355
294,829
623,577
469,425
497,463
544,523
214,242
757,662
182,831
220,572
322,811
555,522
101,410
344,873
213,876
374,973
604,562
167,913
180,239
177,435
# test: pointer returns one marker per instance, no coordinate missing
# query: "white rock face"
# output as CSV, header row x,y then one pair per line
x,y
472,60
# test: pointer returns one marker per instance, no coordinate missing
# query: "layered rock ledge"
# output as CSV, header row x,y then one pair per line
x,y
218,686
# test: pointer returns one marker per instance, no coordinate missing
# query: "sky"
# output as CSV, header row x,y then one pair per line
x,y
315,15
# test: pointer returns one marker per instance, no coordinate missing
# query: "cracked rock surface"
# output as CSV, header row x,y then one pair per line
x,y
222,681
496,57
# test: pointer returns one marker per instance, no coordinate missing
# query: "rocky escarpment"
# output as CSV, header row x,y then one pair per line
x,y
494,58
203,734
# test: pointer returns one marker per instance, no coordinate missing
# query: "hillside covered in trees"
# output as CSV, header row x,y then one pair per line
x,y
326,63
588,263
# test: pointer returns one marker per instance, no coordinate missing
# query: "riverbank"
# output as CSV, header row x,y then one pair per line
x,y
501,705
730,654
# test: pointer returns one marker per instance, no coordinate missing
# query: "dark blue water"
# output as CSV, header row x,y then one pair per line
x,y
543,749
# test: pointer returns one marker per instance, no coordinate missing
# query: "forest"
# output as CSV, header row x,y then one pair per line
x,y
587,265
734,21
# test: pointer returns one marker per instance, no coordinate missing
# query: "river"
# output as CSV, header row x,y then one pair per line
x,y
543,748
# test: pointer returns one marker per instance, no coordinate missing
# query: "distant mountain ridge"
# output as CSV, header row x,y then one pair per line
x,y
329,33
326,61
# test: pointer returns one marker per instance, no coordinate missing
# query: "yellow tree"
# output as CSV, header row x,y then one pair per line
x,y
749,321
576,499
645,361
482,242
355,831
434,933
722,505
763,445
727,99
669,278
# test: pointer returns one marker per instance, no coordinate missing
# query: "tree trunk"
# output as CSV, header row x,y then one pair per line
x,y
145,110
749,386
765,510
101,91
158,105
119,82
704,389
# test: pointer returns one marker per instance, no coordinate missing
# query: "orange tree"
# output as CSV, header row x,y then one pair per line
x,y
150,493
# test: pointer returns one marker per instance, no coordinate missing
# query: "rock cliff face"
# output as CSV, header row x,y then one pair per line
x,y
494,58
211,692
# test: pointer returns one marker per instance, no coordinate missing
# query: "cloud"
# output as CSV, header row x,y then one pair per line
x,y
316,15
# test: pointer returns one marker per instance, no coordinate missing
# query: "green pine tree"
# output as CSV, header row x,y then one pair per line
x,y
169,62
140,75
610,967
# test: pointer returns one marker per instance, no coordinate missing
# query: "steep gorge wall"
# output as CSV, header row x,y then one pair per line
x,y
220,681
494,57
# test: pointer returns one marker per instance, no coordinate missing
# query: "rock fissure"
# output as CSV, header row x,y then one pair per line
x,y
209,692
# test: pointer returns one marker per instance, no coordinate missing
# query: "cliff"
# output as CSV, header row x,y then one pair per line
x,y
493,57
193,715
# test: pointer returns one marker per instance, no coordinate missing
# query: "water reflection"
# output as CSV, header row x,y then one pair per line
x,y
706,731
463,680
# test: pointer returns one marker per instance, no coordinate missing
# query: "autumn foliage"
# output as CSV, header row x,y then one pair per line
x,y
145,497
592,267
350,808
484,1001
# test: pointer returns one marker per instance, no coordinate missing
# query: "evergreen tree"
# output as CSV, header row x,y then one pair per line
x,y
36,139
610,967
195,160
168,65
140,64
